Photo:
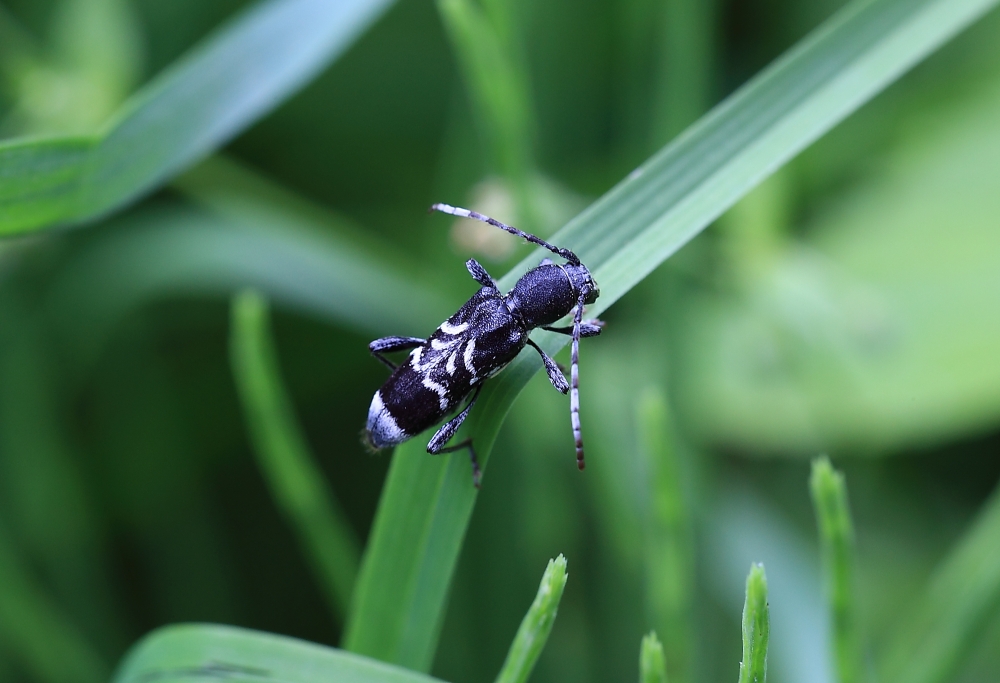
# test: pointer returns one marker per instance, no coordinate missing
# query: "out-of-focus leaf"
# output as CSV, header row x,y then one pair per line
x,y
427,501
238,75
289,468
756,628
952,613
196,652
250,233
34,630
877,334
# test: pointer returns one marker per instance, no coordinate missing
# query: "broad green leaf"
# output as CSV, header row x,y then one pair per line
x,y
953,612
289,468
427,501
232,79
836,536
196,652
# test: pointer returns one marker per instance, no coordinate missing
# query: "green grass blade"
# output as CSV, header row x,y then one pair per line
x,y
33,629
836,536
954,611
427,501
297,484
238,75
669,546
756,628
652,664
498,89
197,652
535,627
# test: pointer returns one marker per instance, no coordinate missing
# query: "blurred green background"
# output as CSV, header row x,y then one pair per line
x,y
850,305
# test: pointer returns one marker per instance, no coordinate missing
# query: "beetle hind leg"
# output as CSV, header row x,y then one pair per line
x,y
436,446
390,344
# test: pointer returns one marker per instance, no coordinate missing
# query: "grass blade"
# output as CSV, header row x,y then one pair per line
x,y
670,539
297,484
242,72
953,611
427,502
537,624
836,536
652,665
756,628
211,652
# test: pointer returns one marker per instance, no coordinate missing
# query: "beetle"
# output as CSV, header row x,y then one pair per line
x,y
477,342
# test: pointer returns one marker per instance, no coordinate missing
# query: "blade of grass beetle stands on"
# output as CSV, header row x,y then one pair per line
x,y
953,612
534,630
427,502
836,537
297,485
239,74
192,652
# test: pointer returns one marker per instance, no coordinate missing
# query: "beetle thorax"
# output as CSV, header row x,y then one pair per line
x,y
545,294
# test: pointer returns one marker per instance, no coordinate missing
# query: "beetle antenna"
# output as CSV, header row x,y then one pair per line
x,y
574,391
466,213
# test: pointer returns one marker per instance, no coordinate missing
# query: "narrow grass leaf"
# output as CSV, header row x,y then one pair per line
x,y
535,627
427,502
836,537
238,75
288,467
756,628
953,612
33,629
669,546
199,652
652,665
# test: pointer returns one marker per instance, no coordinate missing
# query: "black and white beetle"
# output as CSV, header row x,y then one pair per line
x,y
478,342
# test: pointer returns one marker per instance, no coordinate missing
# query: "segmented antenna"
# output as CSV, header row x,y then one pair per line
x,y
574,376
465,213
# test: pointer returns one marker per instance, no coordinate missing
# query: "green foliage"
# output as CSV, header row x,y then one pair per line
x,y
535,627
756,628
836,535
842,303
296,482
180,117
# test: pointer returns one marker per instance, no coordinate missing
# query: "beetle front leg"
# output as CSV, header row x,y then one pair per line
x,y
552,369
390,344
436,446
588,328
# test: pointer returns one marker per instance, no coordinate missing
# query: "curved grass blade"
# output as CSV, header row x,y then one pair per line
x,y
200,652
535,627
954,611
836,536
238,75
652,665
297,484
427,502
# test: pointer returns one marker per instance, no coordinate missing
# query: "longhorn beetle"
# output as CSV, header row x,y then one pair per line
x,y
486,333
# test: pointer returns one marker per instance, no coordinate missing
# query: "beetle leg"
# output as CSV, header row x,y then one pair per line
x,y
390,344
588,328
436,446
480,275
552,368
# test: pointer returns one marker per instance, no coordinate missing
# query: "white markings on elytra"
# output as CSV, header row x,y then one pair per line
x,y
448,328
439,345
382,428
469,348
450,367
439,389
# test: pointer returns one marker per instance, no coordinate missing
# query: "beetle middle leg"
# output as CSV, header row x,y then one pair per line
x,y
552,368
436,446
390,344
480,275
588,328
